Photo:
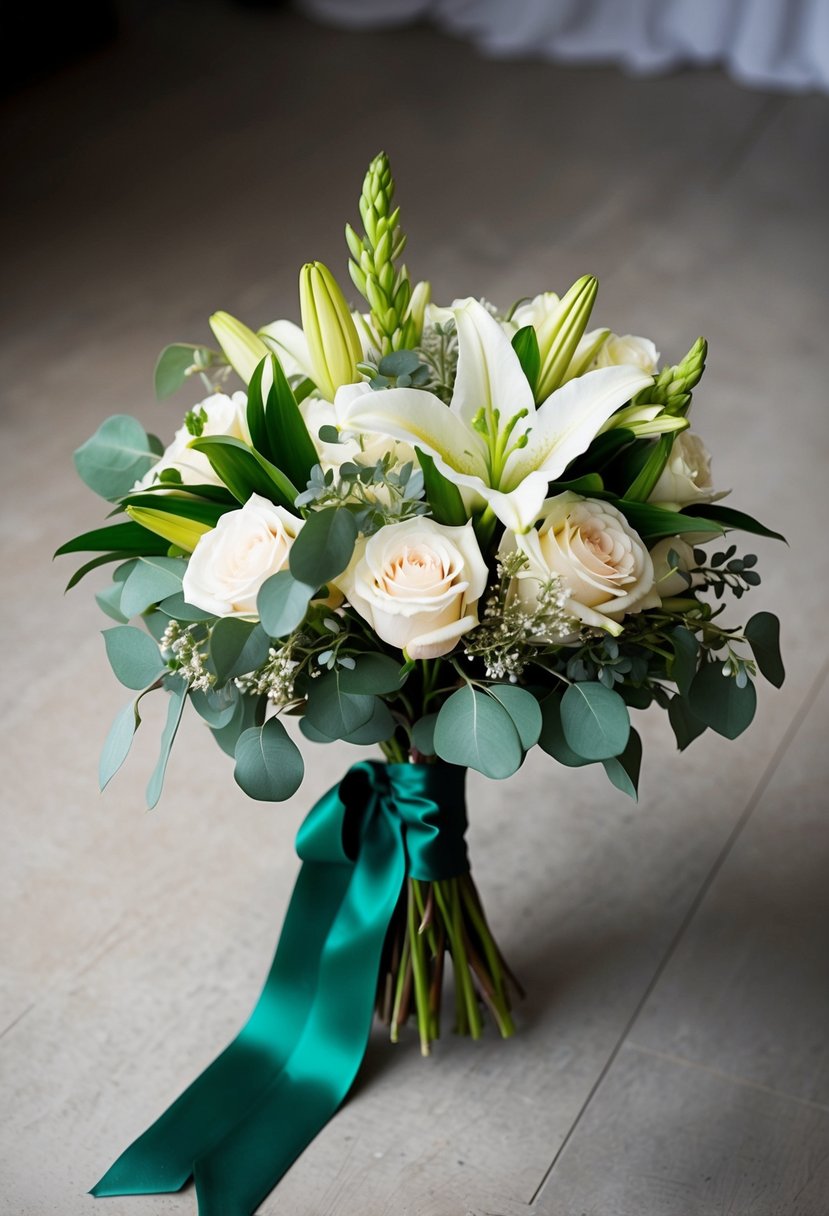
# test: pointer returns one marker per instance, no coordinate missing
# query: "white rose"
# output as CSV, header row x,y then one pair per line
x,y
668,574
686,478
232,561
223,415
628,349
604,565
417,584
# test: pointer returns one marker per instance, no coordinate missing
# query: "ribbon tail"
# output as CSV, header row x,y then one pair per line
x,y
161,1160
238,1172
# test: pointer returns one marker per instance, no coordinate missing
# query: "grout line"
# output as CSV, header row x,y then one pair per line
x,y
733,1078
756,795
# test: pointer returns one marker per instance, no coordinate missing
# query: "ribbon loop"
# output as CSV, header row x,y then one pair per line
x,y
242,1123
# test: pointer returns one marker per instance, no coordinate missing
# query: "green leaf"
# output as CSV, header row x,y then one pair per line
x,y
133,656
372,673
474,730
311,733
334,712
269,765
763,634
525,345
151,580
103,560
282,603
173,364
442,495
653,522
684,665
118,742
125,539
685,725
277,427
236,647
590,483
648,475
718,701
594,720
601,453
249,712
185,508
423,734
623,770
524,710
245,471
115,457
177,689
729,518
323,548
551,739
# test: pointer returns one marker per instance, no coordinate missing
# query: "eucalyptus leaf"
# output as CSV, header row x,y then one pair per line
x,y
551,740
423,734
623,770
594,720
176,606
133,656
173,364
282,603
109,601
763,634
118,742
380,726
177,688
269,766
524,710
249,712
718,701
216,706
236,647
115,457
372,673
323,548
685,725
151,580
334,712
474,730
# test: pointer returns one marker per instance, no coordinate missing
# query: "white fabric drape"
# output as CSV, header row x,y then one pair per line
x,y
769,43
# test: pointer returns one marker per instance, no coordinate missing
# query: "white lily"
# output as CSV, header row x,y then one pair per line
x,y
492,439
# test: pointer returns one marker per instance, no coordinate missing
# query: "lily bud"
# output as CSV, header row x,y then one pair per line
x,y
561,333
333,342
421,296
243,349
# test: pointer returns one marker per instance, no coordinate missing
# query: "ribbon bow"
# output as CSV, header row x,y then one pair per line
x,y
245,1120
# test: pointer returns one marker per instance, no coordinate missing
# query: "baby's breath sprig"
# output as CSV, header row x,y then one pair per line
x,y
182,651
511,634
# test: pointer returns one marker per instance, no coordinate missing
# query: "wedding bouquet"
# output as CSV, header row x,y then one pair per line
x,y
454,533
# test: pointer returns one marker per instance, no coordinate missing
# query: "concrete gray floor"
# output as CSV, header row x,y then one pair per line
x,y
672,1054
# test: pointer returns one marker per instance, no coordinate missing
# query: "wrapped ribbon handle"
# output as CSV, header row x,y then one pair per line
x,y
249,1115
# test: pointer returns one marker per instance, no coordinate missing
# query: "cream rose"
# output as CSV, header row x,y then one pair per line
x,y
417,583
668,574
232,561
686,478
604,566
223,415
630,350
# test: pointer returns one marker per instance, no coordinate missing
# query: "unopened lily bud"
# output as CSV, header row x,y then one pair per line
x,y
421,296
561,332
333,342
243,349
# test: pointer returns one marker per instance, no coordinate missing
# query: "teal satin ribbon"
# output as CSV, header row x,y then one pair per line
x,y
242,1123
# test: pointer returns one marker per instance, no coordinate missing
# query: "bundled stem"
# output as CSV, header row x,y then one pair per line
x,y
434,919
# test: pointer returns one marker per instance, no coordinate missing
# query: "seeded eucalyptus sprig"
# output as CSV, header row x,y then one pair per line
x,y
396,311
